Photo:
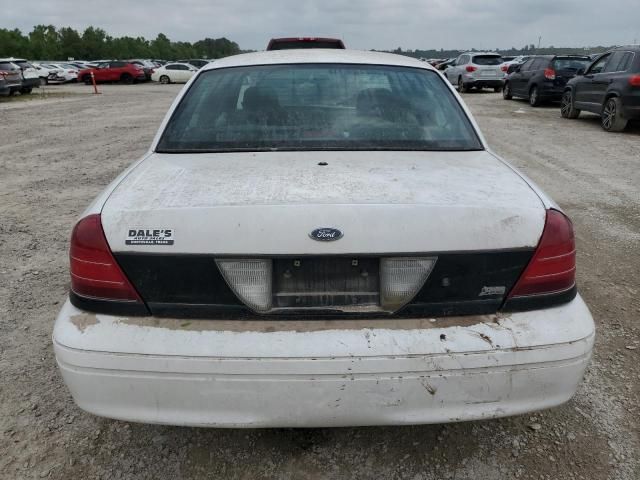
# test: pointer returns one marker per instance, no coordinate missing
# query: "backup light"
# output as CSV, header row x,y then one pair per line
x,y
401,278
250,280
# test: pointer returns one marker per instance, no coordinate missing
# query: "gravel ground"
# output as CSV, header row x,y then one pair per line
x,y
60,149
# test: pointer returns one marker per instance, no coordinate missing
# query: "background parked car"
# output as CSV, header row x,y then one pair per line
x,y
46,72
114,71
610,87
5,90
304,42
196,62
475,69
174,73
146,65
543,77
63,72
30,76
509,65
11,75
445,64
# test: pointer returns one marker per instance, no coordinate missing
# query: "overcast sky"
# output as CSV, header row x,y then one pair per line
x,y
363,24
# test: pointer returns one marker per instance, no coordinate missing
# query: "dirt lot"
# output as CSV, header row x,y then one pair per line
x,y
57,152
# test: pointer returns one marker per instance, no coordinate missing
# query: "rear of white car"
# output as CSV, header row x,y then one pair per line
x,y
321,239
64,73
174,73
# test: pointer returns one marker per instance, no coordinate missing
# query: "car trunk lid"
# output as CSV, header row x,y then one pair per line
x,y
465,218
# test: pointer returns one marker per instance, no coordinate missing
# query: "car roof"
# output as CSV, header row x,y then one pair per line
x,y
317,55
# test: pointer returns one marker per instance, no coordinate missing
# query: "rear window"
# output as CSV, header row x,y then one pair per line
x,y
573,64
7,66
318,107
487,60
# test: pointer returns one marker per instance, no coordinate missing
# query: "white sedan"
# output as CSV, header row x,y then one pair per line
x,y
174,73
321,238
65,72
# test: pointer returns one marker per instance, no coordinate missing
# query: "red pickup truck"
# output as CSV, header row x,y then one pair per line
x,y
114,71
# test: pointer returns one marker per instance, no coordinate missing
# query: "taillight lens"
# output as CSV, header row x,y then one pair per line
x,y
94,271
504,68
549,74
634,81
470,68
553,266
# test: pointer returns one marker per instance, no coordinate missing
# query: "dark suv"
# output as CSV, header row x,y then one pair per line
x,y
610,87
543,77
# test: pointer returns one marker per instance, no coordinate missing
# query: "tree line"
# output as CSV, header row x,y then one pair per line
x,y
46,42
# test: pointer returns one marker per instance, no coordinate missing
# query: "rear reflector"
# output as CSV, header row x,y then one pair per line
x,y
401,278
94,272
552,268
250,279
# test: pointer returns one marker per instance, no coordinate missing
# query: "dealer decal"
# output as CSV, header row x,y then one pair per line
x,y
500,290
149,236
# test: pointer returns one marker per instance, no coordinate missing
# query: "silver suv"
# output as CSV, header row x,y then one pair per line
x,y
476,69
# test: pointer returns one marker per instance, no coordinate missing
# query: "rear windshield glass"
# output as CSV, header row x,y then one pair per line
x,y
7,66
573,64
311,106
487,60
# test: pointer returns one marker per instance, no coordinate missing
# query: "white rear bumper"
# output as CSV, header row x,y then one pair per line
x,y
322,373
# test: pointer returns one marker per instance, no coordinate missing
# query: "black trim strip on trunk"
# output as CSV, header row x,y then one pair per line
x,y
538,302
109,307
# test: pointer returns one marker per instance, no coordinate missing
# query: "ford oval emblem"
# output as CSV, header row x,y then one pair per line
x,y
326,234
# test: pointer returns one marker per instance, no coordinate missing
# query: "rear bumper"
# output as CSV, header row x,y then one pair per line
x,y
631,105
551,92
322,373
484,83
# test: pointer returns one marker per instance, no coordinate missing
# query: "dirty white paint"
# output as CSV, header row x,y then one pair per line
x,y
382,201
342,376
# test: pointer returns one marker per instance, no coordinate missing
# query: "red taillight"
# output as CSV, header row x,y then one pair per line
x,y
504,68
634,81
471,68
94,271
549,74
553,266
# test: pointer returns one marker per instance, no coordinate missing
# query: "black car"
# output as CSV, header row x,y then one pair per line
x,y
543,77
610,87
